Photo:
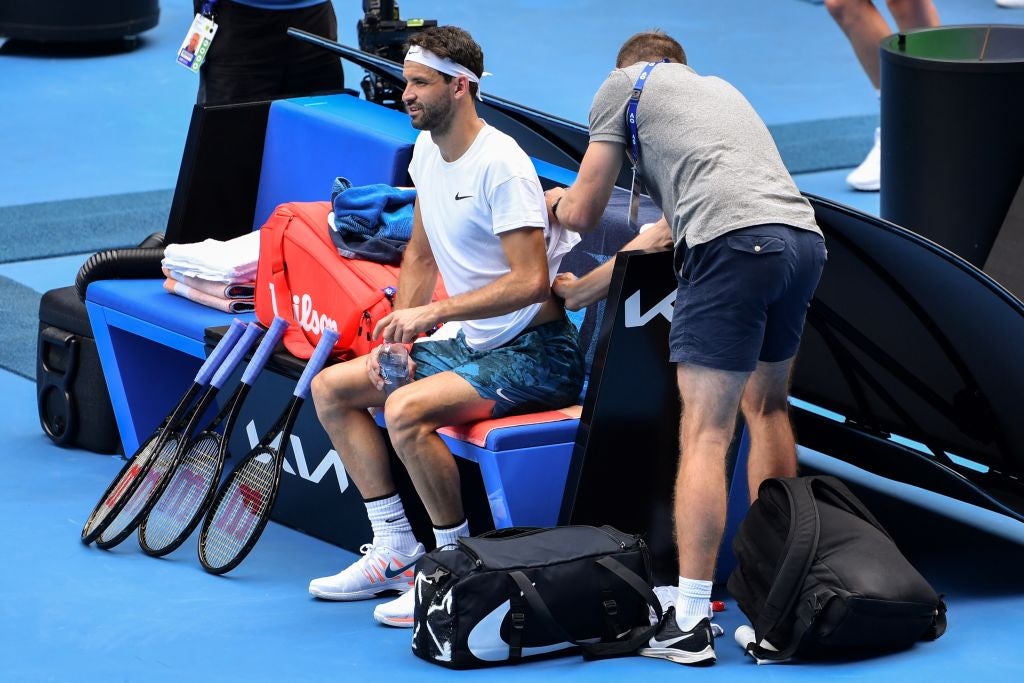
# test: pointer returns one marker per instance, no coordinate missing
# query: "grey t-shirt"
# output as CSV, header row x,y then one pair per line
x,y
706,157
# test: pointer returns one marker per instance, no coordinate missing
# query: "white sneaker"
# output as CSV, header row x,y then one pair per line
x,y
1010,3
379,570
868,176
397,612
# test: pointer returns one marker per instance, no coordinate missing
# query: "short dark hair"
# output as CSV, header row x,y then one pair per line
x,y
454,43
650,46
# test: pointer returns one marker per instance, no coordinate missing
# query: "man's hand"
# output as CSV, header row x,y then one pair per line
x,y
565,288
550,197
373,366
405,324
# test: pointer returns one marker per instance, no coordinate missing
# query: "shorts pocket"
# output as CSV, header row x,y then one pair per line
x,y
756,244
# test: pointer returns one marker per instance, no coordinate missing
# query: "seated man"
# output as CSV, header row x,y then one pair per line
x,y
479,219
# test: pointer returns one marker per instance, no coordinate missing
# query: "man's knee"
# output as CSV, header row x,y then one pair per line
x,y
320,390
757,406
332,390
406,415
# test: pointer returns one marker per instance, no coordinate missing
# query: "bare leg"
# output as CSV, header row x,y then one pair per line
x,y
911,14
865,28
765,408
710,405
413,414
341,394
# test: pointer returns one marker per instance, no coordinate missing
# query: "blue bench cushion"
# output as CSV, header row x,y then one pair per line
x,y
147,300
312,140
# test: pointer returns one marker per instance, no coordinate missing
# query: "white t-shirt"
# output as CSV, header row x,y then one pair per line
x,y
466,204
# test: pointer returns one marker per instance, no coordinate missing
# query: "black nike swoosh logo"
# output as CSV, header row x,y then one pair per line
x,y
465,196
390,573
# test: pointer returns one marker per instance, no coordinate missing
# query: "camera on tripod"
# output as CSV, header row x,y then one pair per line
x,y
381,32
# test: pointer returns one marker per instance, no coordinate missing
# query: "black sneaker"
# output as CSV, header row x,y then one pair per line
x,y
695,647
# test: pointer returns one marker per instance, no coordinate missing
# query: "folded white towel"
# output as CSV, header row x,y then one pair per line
x,y
232,261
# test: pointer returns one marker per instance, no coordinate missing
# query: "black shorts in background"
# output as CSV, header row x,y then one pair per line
x,y
253,57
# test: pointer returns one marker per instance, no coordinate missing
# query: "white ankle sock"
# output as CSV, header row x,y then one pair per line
x,y
451,535
391,527
692,599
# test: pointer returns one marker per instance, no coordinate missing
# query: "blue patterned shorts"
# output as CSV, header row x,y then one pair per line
x,y
540,369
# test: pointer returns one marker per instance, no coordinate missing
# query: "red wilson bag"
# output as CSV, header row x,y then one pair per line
x,y
302,278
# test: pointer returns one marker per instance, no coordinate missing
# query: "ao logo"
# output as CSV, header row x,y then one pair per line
x,y
331,461
636,318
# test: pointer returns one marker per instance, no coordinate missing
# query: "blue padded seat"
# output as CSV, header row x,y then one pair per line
x,y
312,140
148,301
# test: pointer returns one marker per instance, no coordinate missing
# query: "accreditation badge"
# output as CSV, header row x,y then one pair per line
x,y
197,42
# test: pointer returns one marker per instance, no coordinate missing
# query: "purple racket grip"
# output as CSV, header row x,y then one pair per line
x,y
238,351
219,352
264,351
316,362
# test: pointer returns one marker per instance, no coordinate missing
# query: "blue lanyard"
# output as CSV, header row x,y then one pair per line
x,y
208,8
634,139
634,100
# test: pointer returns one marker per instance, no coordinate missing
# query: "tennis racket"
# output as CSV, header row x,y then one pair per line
x,y
195,476
245,500
140,502
137,467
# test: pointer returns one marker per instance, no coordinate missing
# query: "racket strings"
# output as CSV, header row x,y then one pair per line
x,y
145,490
239,511
128,475
180,502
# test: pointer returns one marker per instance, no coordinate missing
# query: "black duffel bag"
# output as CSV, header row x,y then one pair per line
x,y
819,577
515,594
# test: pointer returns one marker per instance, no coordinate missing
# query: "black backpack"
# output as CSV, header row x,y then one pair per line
x,y
518,594
819,577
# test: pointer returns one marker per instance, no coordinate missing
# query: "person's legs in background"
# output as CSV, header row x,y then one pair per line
x,y
865,28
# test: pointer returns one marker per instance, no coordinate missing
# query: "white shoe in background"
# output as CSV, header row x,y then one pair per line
x,y
1010,3
398,612
867,177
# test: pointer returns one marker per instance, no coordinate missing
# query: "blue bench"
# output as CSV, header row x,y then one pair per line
x,y
151,343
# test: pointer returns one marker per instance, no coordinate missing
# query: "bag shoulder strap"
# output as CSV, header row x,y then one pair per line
x,y
280,291
841,494
637,636
797,555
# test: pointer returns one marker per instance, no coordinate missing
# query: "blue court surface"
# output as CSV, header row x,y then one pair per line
x,y
91,149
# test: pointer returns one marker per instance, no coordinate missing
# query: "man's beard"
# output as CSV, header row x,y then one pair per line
x,y
435,118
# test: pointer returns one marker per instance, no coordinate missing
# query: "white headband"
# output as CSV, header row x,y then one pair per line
x,y
443,64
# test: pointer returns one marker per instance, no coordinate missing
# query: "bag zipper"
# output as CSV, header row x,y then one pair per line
x,y
359,330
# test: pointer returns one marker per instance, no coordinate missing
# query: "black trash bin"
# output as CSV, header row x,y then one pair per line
x,y
953,134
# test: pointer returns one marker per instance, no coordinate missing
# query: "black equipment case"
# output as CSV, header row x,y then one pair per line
x,y
74,406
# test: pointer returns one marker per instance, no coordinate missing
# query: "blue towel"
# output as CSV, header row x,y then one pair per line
x,y
371,211
371,222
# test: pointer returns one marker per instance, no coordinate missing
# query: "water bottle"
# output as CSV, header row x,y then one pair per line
x,y
394,366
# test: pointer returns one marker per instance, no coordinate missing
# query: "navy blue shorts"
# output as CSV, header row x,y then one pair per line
x,y
743,297
540,369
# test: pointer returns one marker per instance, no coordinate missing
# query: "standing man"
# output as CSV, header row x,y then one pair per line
x,y
252,57
865,28
748,256
480,221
